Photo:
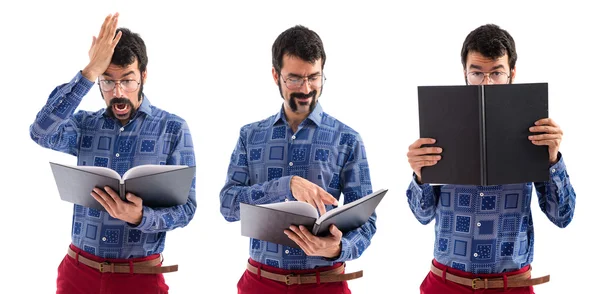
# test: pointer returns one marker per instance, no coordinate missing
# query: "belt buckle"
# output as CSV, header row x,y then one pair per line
x,y
101,269
287,279
473,283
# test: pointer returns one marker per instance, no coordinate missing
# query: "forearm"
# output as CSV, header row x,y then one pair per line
x,y
557,197
55,125
234,193
422,201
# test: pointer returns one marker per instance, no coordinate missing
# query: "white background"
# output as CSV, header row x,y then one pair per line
x,y
217,57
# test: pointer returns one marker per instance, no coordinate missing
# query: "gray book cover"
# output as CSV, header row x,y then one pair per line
x,y
267,222
157,185
483,131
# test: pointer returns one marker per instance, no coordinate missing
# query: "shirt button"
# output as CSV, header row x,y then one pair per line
x,y
287,251
103,238
286,200
294,137
475,254
479,224
481,194
122,129
553,170
117,155
291,163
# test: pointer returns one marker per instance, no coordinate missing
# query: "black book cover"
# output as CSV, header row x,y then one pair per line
x,y
483,131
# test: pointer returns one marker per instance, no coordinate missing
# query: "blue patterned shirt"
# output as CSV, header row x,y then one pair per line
x,y
489,229
152,136
324,151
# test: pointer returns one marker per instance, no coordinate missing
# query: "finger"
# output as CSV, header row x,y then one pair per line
x,y
423,163
420,142
93,41
104,195
116,198
103,202
294,237
335,232
545,137
298,233
327,198
137,201
320,206
423,151
104,27
308,236
425,158
115,22
545,129
546,121
116,40
550,143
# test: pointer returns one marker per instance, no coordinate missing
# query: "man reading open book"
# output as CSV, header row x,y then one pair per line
x,y
300,153
117,251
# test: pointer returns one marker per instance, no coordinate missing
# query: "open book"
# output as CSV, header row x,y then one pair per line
x,y
157,185
268,221
483,132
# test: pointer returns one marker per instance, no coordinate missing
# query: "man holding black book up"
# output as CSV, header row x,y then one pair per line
x,y
118,249
300,153
484,230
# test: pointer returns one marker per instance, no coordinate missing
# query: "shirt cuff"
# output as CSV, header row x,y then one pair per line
x,y
344,253
147,220
558,167
284,188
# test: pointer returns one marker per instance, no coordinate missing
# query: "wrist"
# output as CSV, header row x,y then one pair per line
x,y
89,74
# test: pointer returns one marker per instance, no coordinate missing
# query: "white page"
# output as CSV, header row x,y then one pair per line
x,y
301,208
103,171
346,206
149,169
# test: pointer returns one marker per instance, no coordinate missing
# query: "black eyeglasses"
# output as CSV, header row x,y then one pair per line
x,y
496,77
126,85
295,82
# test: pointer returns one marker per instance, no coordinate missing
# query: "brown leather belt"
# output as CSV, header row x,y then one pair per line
x,y
140,267
330,276
518,280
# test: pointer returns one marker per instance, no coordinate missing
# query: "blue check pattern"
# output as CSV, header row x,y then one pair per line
x,y
152,136
324,151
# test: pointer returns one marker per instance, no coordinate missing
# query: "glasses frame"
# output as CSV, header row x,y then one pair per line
x,y
304,80
487,74
118,82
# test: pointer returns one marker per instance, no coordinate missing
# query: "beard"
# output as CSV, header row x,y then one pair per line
x,y
294,100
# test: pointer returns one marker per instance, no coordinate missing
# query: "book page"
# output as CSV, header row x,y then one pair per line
x,y
301,208
344,207
99,170
149,169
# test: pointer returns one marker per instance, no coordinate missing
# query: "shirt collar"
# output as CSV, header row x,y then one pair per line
x,y
315,116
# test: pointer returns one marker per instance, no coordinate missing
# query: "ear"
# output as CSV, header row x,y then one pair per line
x,y
275,75
465,73
144,75
513,73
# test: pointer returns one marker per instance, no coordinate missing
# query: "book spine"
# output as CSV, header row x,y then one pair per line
x,y
122,191
482,134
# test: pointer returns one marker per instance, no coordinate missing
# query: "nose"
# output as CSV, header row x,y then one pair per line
x,y
487,80
306,86
118,90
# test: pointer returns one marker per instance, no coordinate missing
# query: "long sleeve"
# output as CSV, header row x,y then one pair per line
x,y
56,125
556,196
356,183
165,219
238,189
422,200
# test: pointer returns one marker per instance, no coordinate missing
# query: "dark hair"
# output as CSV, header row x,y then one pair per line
x,y
300,42
130,47
492,42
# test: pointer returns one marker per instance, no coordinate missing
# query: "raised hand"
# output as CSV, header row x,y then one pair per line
x,y
551,136
418,156
306,191
102,48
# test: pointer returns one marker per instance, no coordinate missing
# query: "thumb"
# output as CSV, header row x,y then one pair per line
x,y
134,199
335,231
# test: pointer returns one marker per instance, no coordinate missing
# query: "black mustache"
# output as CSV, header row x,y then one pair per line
x,y
120,100
302,95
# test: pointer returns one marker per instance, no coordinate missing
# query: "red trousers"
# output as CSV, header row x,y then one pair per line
x,y
250,283
434,284
75,277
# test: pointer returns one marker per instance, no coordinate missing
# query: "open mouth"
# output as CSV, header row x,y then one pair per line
x,y
120,109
